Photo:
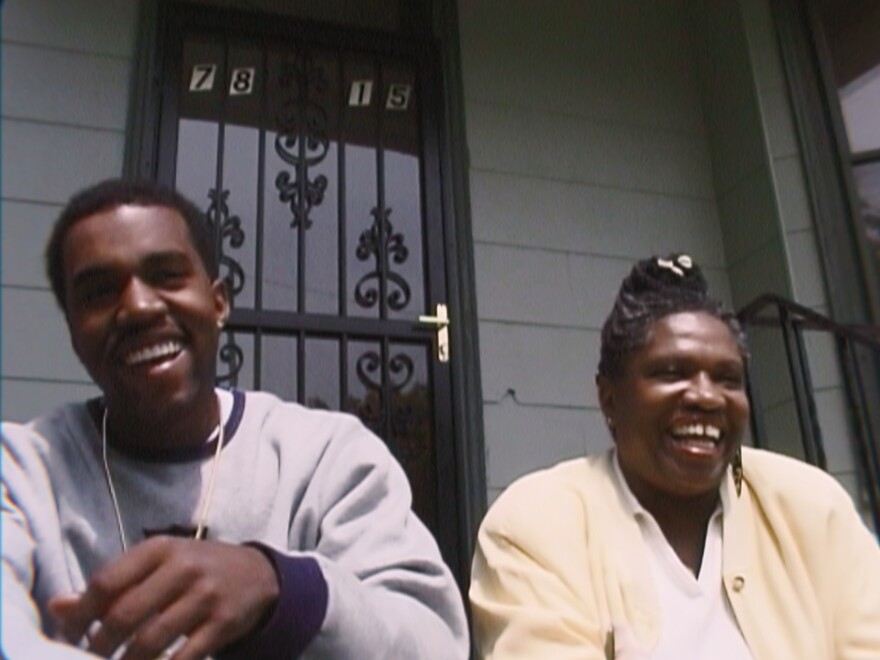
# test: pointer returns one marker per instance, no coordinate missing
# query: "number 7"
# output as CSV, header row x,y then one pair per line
x,y
202,79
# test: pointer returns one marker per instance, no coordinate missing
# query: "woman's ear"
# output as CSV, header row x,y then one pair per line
x,y
605,388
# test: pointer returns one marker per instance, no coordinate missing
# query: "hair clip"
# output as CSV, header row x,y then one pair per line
x,y
681,262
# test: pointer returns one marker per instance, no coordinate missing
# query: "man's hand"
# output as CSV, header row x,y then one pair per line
x,y
164,588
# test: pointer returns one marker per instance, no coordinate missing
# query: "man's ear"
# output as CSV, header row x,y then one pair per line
x,y
69,326
73,345
71,335
221,301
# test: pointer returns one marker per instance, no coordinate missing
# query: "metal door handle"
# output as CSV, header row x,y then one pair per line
x,y
440,320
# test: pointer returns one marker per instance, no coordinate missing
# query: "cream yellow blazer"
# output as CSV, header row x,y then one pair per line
x,y
560,563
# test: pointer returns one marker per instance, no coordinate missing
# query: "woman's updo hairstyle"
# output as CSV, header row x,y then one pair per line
x,y
655,288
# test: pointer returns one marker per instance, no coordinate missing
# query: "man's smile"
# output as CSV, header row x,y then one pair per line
x,y
143,311
154,352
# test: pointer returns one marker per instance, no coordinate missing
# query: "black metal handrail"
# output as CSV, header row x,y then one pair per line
x,y
793,319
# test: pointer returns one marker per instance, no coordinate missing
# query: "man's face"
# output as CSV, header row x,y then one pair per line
x,y
142,311
680,408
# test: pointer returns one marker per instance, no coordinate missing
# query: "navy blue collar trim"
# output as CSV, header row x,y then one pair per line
x,y
182,455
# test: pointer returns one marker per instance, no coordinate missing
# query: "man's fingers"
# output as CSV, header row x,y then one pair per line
x,y
166,630
76,614
133,567
202,643
141,604
164,589
66,610
236,587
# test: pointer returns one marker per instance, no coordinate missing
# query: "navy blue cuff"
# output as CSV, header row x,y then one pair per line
x,y
298,615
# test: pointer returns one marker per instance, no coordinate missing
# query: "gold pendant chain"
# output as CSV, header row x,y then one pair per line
x,y
205,507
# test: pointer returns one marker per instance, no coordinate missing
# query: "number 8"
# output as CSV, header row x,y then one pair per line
x,y
241,82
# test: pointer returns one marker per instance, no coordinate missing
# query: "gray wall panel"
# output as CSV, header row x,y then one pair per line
x,y
48,163
545,213
25,228
23,400
577,57
566,148
36,344
750,220
794,204
776,111
94,88
586,154
544,287
92,26
836,434
808,284
550,366
531,437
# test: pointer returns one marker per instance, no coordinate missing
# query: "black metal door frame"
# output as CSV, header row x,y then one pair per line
x,y
461,474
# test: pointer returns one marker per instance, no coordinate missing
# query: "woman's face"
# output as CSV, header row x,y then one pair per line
x,y
679,409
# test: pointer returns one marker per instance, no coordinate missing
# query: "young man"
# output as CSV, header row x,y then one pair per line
x,y
168,516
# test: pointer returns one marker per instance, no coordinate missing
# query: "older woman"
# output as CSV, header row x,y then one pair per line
x,y
676,543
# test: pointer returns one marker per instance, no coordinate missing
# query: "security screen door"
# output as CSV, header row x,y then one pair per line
x,y
313,153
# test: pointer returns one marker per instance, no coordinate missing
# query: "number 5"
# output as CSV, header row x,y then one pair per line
x,y
398,97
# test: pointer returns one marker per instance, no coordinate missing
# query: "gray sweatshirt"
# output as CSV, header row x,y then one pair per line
x,y
361,577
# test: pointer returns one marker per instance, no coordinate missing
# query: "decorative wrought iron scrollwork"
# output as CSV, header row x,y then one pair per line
x,y
231,355
302,141
228,228
400,373
369,409
366,368
403,406
400,368
380,239
300,205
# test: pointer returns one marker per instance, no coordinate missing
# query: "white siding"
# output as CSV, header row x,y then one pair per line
x,y
587,152
66,69
600,133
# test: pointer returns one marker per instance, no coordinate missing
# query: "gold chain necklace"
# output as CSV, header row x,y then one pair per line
x,y
202,519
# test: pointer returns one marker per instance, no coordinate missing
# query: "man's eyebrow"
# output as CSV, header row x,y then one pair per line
x,y
167,257
102,270
90,274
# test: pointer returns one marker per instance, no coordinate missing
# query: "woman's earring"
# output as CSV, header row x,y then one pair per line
x,y
610,422
737,466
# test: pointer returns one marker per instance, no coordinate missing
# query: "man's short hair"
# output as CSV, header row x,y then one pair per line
x,y
111,193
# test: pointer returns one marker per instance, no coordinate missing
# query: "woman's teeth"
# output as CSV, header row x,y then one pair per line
x,y
696,431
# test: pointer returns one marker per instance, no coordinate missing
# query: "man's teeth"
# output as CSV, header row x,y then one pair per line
x,y
152,353
697,431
